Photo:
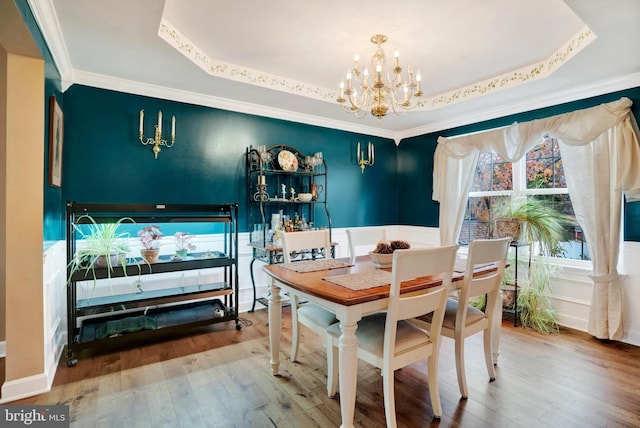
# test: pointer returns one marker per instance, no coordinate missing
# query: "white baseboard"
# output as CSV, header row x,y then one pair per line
x,y
24,387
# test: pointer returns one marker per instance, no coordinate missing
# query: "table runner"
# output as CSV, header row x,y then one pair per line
x,y
361,280
315,265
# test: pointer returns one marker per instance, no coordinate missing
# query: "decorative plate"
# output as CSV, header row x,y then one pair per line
x,y
287,161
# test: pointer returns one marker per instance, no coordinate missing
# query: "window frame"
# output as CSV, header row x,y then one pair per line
x,y
519,187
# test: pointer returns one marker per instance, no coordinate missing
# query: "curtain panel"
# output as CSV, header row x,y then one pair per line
x,y
601,156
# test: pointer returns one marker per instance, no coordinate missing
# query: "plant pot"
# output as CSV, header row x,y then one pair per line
x,y
508,228
151,256
508,297
181,253
102,262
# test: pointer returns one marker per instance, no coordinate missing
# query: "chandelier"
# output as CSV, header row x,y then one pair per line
x,y
363,93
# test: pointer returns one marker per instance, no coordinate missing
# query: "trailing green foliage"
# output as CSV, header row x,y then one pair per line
x,y
534,301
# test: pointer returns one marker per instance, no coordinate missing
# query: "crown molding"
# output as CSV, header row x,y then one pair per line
x,y
45,14
587,91
156,91
528,73
213,67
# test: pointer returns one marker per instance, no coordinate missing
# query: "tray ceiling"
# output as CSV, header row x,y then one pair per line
x,y
285,58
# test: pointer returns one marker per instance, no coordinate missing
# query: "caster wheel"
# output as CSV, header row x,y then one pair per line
x,y
238,326
72,362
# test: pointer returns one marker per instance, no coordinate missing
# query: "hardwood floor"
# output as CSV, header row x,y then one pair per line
x,y
220,377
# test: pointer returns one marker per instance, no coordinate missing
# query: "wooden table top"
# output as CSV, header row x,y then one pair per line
x,y
312,282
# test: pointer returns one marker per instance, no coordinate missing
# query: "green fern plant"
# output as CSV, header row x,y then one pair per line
x,y
540,222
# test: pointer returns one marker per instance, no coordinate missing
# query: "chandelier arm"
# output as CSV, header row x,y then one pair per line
x,y
362,114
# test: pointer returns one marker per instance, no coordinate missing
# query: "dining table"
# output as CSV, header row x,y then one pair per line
x,y
351,291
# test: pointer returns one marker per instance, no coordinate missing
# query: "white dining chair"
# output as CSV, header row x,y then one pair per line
x,y
364,237
461,319
309,314
388,341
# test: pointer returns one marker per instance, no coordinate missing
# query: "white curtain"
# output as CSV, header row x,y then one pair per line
x,y
601,157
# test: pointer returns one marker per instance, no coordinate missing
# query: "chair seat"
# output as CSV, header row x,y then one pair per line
x,y
369,338
473,315
315,317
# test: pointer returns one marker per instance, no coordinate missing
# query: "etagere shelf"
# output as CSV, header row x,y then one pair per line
x,y
272,173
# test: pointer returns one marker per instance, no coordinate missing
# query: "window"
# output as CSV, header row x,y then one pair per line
x,y
538,175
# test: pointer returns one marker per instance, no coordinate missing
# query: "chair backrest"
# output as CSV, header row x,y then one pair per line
x,y
481,252
364,237
417,263
305,240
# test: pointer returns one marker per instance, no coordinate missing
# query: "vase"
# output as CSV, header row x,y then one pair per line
x,y
151,256
181,253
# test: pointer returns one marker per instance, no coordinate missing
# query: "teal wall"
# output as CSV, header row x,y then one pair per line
x,y
415,162
53,228
105,162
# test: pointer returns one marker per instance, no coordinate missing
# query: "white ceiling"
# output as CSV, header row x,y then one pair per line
x,y
285,58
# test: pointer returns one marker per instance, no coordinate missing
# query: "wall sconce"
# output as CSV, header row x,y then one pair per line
x,y
370,160
157,141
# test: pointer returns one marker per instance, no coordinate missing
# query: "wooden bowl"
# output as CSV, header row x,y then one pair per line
x,y
381,260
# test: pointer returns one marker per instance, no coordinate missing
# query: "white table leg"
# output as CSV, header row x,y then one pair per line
x,y
495,333
275,323
348,372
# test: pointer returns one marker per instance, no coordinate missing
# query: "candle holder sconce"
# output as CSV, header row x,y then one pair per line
x,y
261,195
157,141
370,160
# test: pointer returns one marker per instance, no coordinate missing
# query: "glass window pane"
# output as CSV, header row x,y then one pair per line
x,y
492,173
502,176
482,179
573,243
544,166
476,220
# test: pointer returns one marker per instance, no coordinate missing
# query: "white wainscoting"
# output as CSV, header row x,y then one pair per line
x,y
54,306
631,295
571,290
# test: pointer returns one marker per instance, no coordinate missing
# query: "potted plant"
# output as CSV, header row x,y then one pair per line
x,y
183,243
150,238
533,221
100,246
541,226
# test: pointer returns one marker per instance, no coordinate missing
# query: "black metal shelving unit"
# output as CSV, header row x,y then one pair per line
x,y
90,320
268,199
514,309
